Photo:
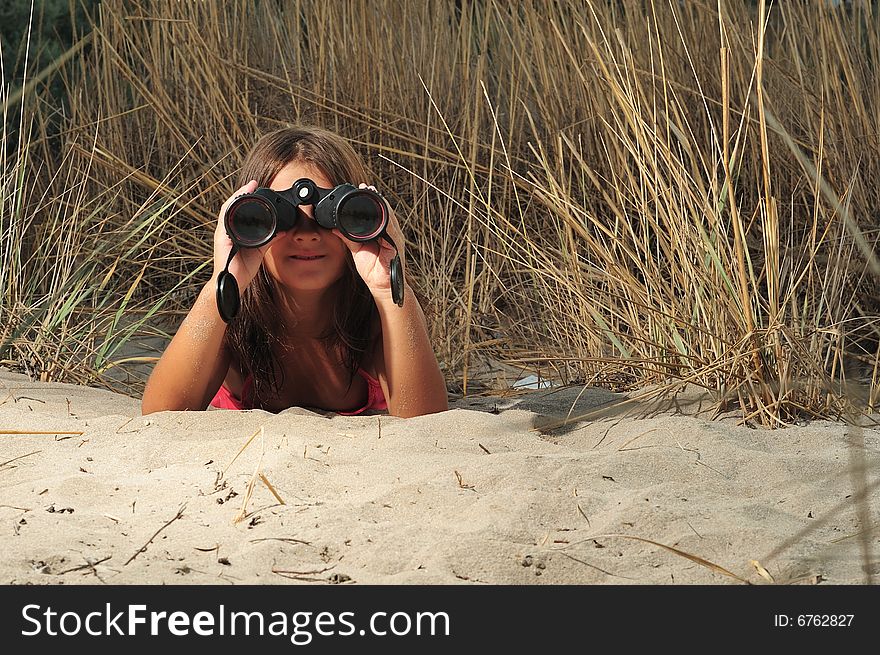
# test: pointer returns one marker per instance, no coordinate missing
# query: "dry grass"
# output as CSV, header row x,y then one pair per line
x,y
624,193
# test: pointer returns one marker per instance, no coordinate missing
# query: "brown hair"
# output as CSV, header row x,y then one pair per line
x,y
259,324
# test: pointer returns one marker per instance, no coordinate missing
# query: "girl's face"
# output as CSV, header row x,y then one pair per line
x,y
307,257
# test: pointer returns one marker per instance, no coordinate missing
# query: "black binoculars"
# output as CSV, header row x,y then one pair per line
x,y
253,219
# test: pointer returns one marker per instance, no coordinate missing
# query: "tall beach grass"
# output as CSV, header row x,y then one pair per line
x,y
634,193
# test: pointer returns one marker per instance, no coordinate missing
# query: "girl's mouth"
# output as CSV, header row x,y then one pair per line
x,y
306,258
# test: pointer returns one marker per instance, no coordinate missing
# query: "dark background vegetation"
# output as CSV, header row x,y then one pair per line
x,y
52,29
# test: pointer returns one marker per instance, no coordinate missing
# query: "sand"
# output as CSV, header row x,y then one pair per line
x,y
475,495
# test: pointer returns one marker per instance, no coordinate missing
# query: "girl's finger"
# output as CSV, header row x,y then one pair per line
x,y
250,187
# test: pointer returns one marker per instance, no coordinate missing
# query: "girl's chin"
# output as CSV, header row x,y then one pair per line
x,y
301,285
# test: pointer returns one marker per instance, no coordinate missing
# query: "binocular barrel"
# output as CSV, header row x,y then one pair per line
x,y
253,219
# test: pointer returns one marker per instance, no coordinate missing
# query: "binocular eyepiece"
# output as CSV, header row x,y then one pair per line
x,y
253,219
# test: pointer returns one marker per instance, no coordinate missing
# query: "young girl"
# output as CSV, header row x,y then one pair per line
x,y
317,325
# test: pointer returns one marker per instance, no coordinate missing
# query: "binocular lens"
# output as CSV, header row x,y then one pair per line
x,y
251,222
360,216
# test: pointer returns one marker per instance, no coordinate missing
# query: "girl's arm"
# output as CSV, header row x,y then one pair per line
x,y
413,383
195,363
407,367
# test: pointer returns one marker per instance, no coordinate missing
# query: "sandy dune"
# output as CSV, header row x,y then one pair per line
x,y
474,495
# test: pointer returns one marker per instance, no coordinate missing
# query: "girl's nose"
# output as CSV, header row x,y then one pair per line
x,y
305,229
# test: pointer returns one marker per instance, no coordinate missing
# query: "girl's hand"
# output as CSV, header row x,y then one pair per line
x,y
373,258
246,263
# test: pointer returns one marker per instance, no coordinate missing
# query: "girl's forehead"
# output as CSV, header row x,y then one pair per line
x,y
296,170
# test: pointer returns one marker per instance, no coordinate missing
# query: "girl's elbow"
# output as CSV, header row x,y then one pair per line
x,y
153,399
151,404
148,407
419,409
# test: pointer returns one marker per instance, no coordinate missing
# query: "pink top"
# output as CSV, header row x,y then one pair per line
x,y
224,399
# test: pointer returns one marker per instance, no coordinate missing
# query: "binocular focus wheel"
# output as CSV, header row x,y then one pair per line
x,y
305,191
